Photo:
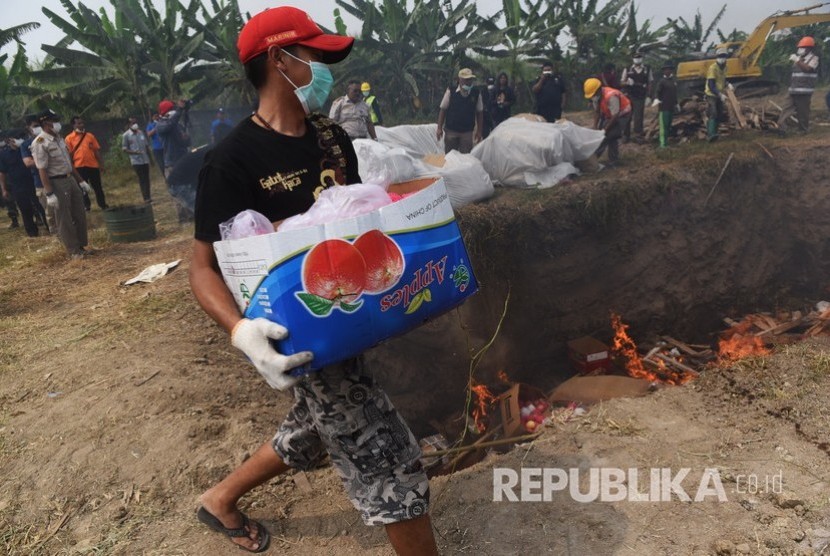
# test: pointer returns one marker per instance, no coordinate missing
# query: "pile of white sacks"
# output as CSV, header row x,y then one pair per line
x,y
518,153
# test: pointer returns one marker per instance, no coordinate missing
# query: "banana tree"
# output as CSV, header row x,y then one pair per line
x,y
686,38
529,32
13,78
217,73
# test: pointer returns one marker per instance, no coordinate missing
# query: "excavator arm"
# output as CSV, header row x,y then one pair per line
x,y
751,51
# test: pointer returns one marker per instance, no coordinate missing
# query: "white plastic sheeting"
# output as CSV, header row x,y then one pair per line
x,y
464,176
521,153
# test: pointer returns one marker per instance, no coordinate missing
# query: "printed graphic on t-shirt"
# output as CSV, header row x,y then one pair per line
x,y
283,181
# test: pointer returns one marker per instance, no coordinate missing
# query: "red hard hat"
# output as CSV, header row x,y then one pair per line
x,y
807,42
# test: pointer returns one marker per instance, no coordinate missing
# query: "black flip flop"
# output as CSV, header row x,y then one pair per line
x,y
263,539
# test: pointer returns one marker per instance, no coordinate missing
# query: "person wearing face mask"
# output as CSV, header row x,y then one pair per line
x,y
352,113
86,158
551,93
613,109
62,183
715,91
135,144
461,115
665,99
372,101
16,183
45,215
637,81
802,84
276,162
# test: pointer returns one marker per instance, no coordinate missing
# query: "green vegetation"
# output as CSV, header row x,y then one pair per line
x,y
122,59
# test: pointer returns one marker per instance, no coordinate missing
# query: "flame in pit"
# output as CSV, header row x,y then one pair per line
x,y
739,343
483,400
504,378
624,346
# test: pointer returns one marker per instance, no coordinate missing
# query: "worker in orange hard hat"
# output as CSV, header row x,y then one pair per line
x,y
613,108
802,84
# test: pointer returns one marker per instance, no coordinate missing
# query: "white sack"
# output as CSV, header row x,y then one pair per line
x,y
517,146
417,140
465,177
381,165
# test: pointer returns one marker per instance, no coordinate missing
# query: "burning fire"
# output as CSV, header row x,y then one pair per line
x,y
504,378
483,400
624,346
740,343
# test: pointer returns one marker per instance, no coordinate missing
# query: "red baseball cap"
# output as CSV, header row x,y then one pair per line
x,y
284,26
165,106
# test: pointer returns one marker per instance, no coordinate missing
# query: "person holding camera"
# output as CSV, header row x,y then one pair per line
x,y
172,130
551,93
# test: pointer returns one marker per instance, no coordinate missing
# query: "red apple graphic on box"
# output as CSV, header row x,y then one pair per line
x,y
384,260
334,275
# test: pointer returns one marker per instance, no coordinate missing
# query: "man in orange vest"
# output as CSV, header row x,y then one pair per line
x,y
86,158
613,108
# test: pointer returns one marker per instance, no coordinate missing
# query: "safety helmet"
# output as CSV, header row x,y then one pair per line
x,y
722,53
591,87
365,87
807,42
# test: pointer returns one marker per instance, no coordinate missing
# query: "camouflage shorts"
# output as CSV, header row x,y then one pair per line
x,y
342,412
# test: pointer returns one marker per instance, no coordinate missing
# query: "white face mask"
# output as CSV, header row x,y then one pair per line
x,y
57,127
134,127
638,61
801,51
721,62
37,130
18,142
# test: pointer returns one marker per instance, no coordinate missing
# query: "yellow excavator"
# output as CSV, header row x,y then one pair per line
x,y
742,67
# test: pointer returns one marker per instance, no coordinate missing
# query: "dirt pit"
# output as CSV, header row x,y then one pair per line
x,y
120,405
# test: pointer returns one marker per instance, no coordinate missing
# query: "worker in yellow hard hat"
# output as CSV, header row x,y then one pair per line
x,y
802,84
716,86
614,108
372,101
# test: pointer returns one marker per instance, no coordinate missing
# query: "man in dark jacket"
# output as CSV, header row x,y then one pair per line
x,y
551,93
461,112
172,131
665,98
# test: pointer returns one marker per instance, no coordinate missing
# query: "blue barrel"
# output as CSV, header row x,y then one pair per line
x,y
130,223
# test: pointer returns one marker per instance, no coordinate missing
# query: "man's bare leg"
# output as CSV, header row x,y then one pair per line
x,y
412,537
221,500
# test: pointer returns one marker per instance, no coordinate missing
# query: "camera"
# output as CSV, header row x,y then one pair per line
x,y
188,103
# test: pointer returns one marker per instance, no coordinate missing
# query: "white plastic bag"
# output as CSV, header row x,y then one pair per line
x,y
338,203
382,165
466,179
246,224
417,140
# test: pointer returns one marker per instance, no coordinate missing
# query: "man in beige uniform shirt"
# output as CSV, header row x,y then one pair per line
x,y
62,184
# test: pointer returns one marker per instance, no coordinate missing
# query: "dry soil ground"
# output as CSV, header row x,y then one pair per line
x,y
119,405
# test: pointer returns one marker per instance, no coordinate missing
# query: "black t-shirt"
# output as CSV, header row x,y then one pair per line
x,y
276,175
549,98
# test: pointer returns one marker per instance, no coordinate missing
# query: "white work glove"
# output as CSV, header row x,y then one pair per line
x,y
723,97
648,101
86,187
656,102
794,58
678,109
253,338
52,200
630,81
730,86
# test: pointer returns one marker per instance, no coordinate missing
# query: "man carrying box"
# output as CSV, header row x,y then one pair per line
x,y
276,162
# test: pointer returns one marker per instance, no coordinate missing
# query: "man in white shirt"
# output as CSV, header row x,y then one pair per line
x,y
353,114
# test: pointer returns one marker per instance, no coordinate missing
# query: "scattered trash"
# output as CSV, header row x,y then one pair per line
x,y
53,394
153,272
